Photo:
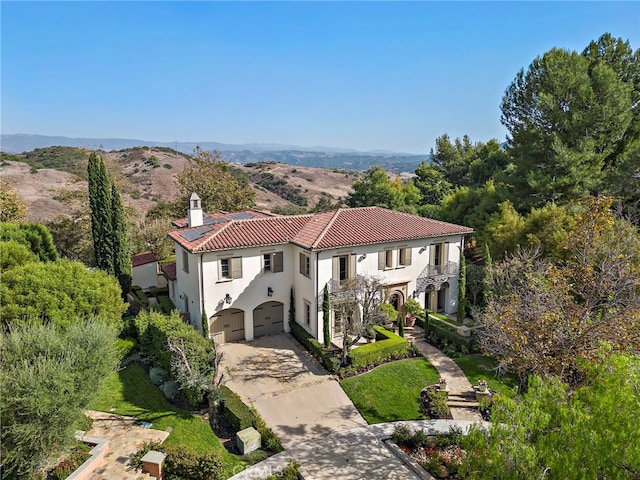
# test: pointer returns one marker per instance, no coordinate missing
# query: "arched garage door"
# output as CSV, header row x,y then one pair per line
x,y
268,318
227,326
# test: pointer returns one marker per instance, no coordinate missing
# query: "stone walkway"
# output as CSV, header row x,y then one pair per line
x,y
125,439
457,382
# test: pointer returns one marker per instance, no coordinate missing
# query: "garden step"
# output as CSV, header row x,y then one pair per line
x,y
463,397
463,404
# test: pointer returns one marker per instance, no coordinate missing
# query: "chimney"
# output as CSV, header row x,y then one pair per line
x,y
195,211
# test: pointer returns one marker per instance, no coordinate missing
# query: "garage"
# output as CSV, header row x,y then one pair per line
x,y
268,318
227,326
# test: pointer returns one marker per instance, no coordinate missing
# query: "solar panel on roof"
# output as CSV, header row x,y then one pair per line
x,y
191,235
241,216
196,233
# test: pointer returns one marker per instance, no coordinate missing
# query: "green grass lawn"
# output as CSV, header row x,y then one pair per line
x,y
131,393
391,392
478,367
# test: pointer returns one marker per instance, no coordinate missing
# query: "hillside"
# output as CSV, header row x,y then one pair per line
x,y
52,180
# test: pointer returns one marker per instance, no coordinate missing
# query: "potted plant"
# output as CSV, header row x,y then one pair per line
x,y
442,384
369,333
413,309
389,313
482,386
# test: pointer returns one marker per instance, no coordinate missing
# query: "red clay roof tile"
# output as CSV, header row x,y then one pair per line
x,y
321,231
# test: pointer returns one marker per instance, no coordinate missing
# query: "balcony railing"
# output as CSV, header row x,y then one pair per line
x,y
436,275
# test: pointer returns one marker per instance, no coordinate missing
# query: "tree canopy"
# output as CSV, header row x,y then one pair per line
x,y
543,316
12,207
60,293
572,117
48,377
375,188
211,178
555,432
34,236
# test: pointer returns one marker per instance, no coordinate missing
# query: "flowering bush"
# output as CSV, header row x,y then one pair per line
x,y
70,464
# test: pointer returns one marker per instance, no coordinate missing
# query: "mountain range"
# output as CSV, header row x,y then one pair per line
x,y
319,156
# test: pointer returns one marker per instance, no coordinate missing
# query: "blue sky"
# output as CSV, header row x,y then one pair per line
x,y
363,75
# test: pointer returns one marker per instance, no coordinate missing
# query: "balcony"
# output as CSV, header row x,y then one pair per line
x,y
436,275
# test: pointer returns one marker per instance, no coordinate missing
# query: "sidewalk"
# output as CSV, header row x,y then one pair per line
x,y
357,454
457,382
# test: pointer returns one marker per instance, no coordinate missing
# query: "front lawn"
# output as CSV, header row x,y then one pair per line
x,y
478,367
391,392
131,393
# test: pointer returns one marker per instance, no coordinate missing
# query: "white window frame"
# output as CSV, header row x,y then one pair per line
x,y
274,260
234,268
305,264
185,261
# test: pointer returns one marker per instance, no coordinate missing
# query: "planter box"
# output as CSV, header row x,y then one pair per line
x,y
248,440
98,452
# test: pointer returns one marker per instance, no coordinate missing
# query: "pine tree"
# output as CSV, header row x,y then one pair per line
x,y
120,242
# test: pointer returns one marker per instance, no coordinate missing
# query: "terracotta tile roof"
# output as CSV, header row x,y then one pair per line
x,y
143,259
336,229
169,271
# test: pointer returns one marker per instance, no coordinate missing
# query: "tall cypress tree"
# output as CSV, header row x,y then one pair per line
x,y
101,219
462,287
326,316
120,242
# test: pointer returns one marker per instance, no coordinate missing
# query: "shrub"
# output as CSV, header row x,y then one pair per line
x,y
390,346
166,305
169,389
240,416
290,472
157,375
442,336
324,355
125,347
70,464
184,463
154,333
234,410
168,166
137,292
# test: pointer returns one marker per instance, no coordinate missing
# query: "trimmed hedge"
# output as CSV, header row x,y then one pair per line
x,y
328,359
137,292
240,416
443,336
166,305
389,346
234,410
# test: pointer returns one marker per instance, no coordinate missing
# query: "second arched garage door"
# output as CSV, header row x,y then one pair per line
x,y
228,325
268,318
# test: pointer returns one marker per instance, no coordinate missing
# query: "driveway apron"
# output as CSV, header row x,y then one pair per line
x,y
297,398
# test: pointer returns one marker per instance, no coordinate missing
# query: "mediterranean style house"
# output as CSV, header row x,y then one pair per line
x,y
238,270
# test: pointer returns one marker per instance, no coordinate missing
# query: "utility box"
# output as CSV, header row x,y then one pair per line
x,y
152,463
248,440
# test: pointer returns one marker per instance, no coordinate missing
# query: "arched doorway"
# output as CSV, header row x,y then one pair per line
x,y
396,299
268,319
443,295
227,326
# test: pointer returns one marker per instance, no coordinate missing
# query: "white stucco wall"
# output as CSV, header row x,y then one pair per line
x,y
145,276
250,291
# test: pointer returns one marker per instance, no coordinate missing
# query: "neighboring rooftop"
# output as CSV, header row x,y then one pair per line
x,y
219,217
143,259
336,229
170,271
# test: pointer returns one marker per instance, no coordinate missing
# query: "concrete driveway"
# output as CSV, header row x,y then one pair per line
x,y
297,398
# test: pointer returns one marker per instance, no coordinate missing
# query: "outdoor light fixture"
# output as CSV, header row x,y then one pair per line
x,y
269,292
422,250
227,298
362,257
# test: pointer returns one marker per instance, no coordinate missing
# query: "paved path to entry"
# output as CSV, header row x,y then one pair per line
x,y
457,382
297,398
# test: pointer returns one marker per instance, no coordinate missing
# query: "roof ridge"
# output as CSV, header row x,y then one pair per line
x,y
205,238
326,228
